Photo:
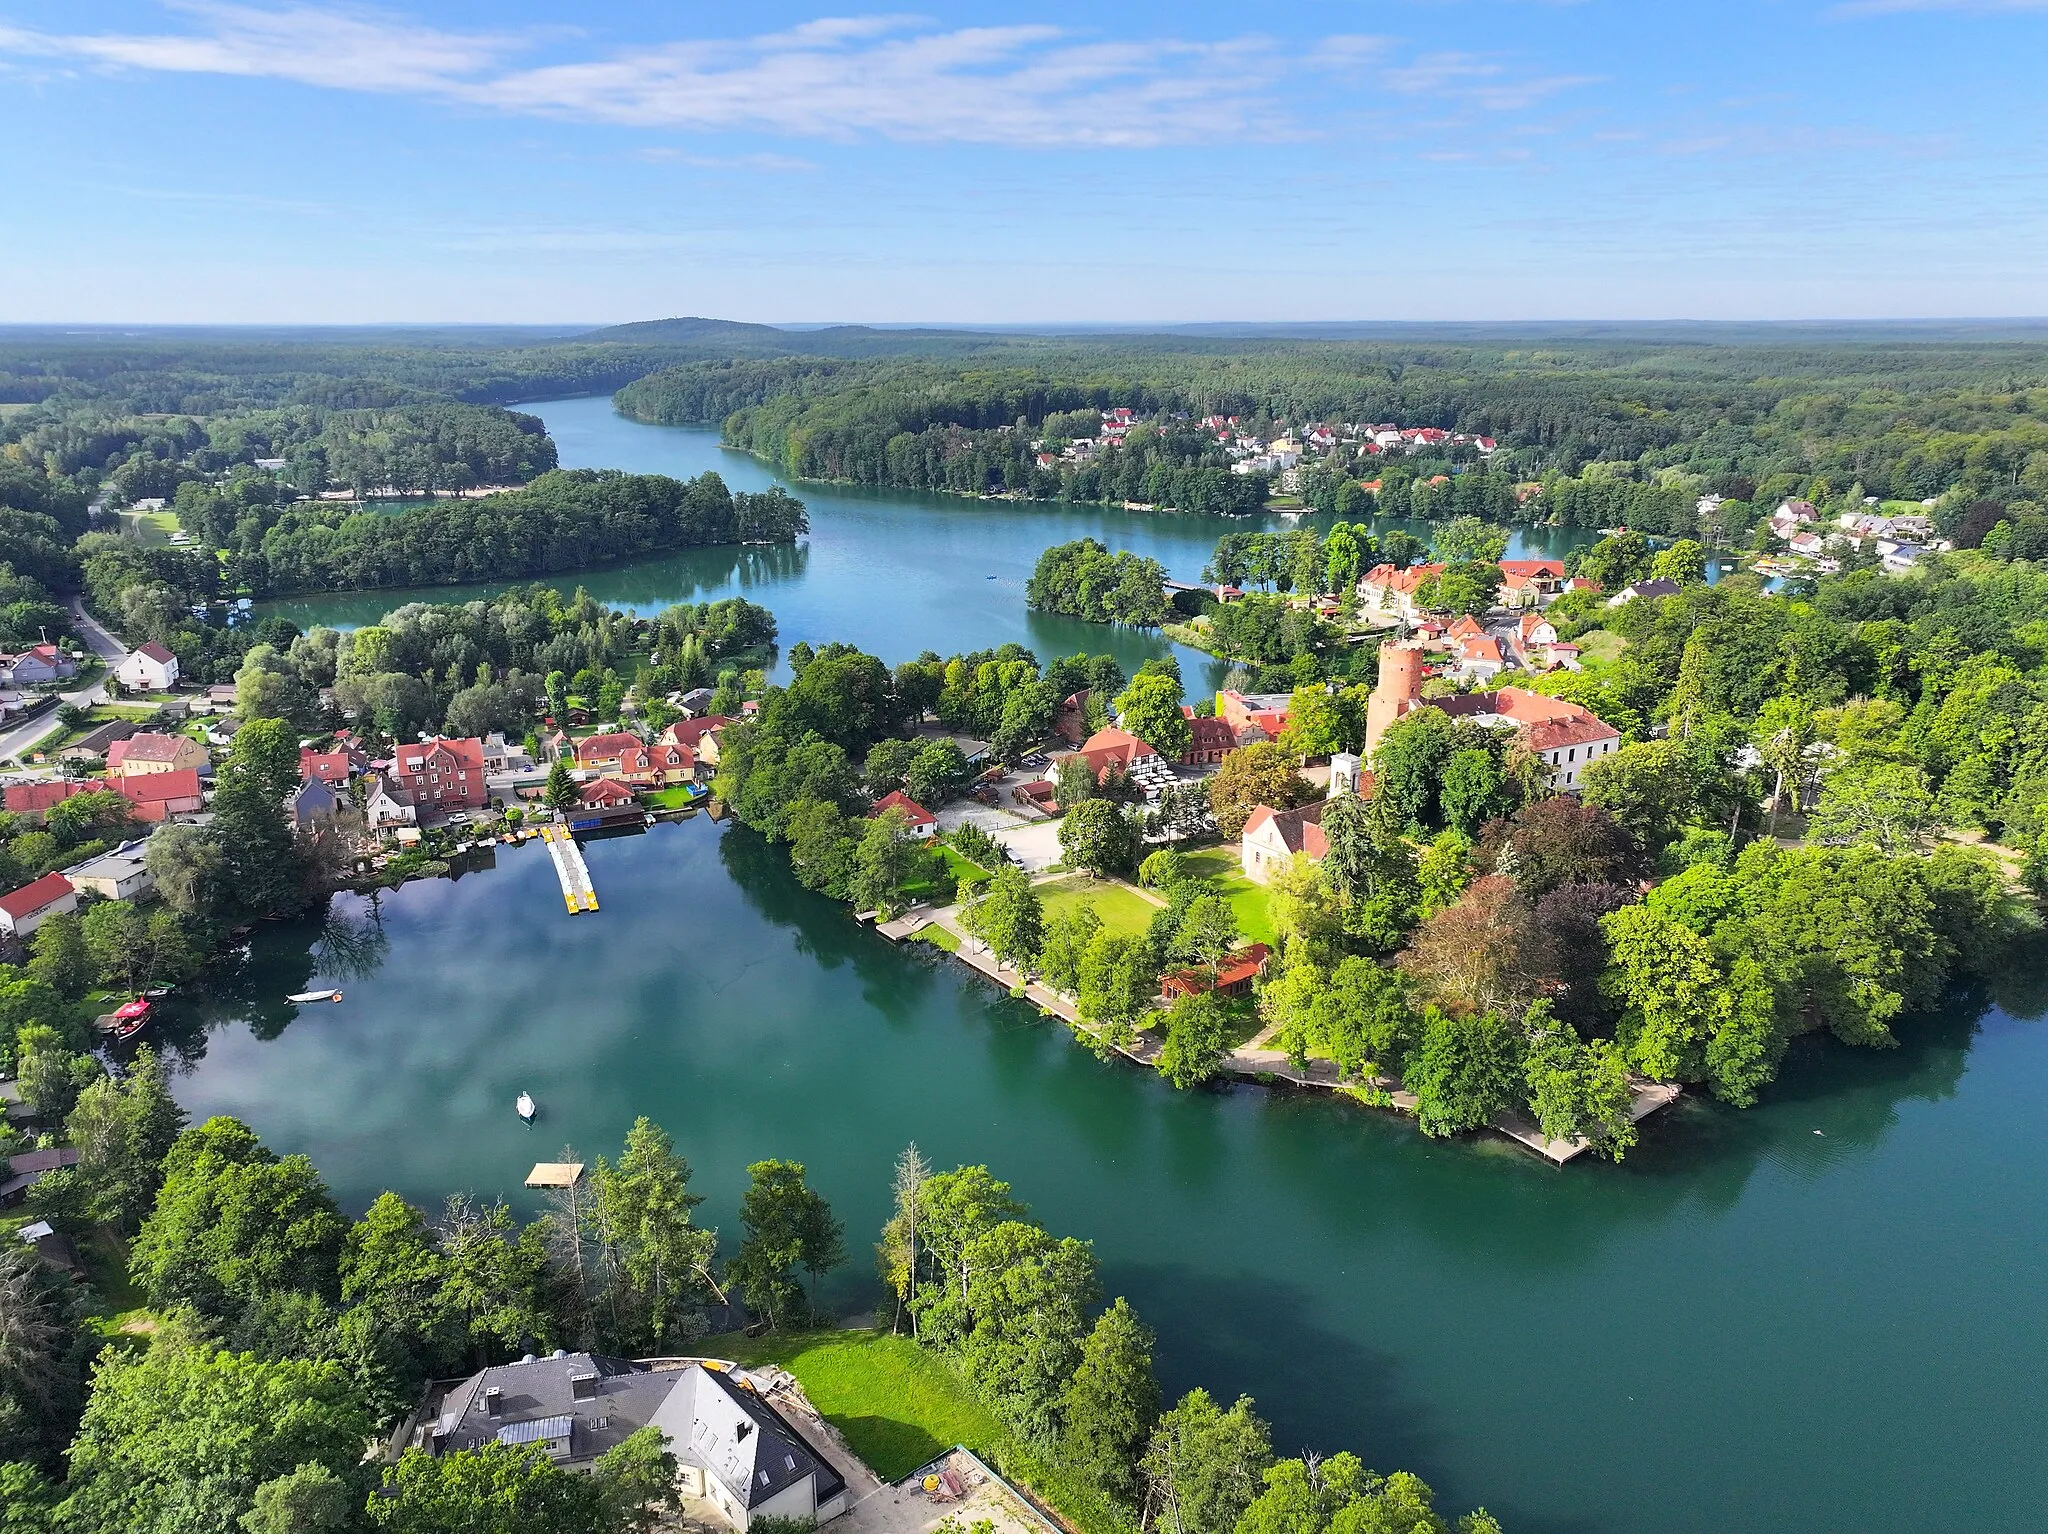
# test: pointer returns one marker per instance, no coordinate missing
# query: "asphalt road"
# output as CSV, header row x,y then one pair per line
x,y
23,737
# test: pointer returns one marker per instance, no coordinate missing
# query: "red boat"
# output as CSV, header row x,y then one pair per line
x,y
132,1017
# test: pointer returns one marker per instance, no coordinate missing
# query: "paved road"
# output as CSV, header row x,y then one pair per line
x,y
23,737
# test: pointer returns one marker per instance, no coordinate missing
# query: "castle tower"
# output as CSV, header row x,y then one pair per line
x,y
1343,775
1398,690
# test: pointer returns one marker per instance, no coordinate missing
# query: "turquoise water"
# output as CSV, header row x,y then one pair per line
x,y
890,571
1749,1325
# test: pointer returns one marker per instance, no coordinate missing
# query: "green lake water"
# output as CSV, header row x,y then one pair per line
x,y
1746,1326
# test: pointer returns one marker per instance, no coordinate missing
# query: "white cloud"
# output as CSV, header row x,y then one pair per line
x,y
842,78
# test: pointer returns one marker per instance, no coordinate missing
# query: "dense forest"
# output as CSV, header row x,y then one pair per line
x,y
1903,421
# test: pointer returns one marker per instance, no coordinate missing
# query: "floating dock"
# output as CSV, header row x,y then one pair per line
x,y
570,868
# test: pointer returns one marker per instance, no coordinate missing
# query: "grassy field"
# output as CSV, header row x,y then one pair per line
x,y
1219,865
938,937
1122,909
900,1406
675,798
1601,647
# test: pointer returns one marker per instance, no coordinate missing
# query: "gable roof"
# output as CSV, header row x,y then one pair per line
x,y
606,746
148,746
1299,830
463,751
896,799
35,896
781,1456
157,653
157,787
1529,569
606,791
32,798
687,732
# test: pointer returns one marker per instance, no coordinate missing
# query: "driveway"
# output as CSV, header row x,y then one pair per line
x,y
1035,844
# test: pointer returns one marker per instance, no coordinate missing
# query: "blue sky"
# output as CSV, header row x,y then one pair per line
x,y
457,160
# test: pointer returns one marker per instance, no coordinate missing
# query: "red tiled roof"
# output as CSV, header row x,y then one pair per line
x,y
599,748
156,787
32,798
156,652
606,792
1527,569
1300,830
1467,627
1549,734
916,813
146,747
1211,734
1404,581
467,751
31,898
687,732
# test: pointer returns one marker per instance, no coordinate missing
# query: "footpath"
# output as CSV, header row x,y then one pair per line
x,y
1254,1061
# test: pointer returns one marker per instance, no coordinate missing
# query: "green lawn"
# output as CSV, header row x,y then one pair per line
x,y
897,1404
1220,866
938,937
675,798
1121,908
900,1406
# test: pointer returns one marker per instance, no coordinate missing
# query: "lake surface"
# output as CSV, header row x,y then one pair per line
x,y
891,571
1746,1326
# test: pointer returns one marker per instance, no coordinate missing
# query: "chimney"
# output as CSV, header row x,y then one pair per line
x,y
494,1402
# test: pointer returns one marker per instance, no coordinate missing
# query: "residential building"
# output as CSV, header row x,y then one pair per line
x,y
696,702
605,752
1234,976
117,874
657,764
389,804
1656,588
160,795
441,776
334,768
1480,658
693,733
151,668
1271,838
148,752
1531,582
502,756
221,695
27,908
605,794
734,1449
923,823
1390,592
37,664
1210,739
316,803
40,798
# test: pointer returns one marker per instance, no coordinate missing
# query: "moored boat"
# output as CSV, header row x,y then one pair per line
x,y
526,1107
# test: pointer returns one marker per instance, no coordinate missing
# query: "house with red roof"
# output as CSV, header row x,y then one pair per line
x,y
149,752
1271,838
149,668
605,794
27,908
1209,739
1390,592
334,768
1113,747
656,764
39,798
1531,582
441,776
38,663
1233,977
1564,735
160,795
700,735
922,822
1480,658
1467,627
606,752
1253,716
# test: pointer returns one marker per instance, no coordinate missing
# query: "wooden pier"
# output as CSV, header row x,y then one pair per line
x,y
577,892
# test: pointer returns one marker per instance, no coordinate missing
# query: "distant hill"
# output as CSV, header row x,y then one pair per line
x,y
685,330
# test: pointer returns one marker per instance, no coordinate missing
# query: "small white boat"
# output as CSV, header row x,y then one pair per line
x,y
526,1107
303,997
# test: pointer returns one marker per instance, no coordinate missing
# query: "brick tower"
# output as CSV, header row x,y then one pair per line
x,y
1398,690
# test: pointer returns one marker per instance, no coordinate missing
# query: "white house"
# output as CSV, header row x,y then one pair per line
x,y
389,804
33,904
150,668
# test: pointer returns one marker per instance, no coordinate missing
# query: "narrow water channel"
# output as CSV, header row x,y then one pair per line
x,y
1824,1314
